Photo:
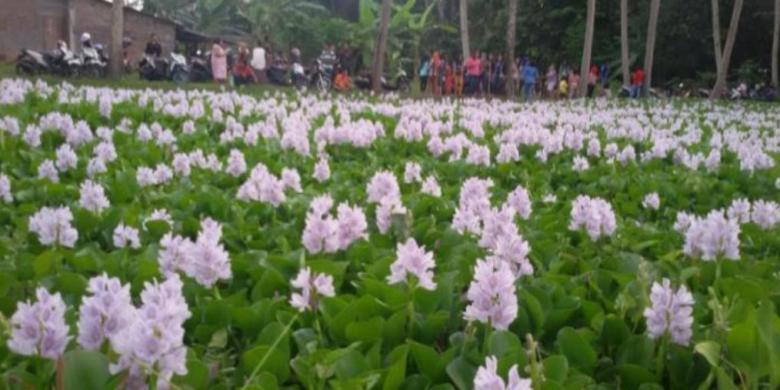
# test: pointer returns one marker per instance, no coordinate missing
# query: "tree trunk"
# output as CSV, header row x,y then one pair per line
x,y
440,11
776,45
652,25
716,35
588,47
379,48
464,28
117,29
624,42
511,30
720,84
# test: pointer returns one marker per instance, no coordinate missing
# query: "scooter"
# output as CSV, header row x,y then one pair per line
x,y
179,72
200,67
153,68
94,63
60,62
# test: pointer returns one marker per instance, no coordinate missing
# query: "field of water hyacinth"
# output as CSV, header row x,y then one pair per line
x,y
193,240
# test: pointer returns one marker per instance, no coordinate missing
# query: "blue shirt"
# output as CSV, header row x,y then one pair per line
x,y
530,74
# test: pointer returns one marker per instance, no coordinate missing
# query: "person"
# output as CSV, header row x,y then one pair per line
x,y
153,47
458,87
449,78
574,83
258,62
219,62
434,74
425,69
551,79
497,81
593,79
342,82
328,59
563,88
242,72
604,76
472,69
484,75
530,75
514,75
637,83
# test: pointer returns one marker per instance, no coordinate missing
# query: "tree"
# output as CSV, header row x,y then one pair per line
x,y
381,44
624,42
652,25
776,45
720,84
117,29
511,30
464,28
588,46
716,34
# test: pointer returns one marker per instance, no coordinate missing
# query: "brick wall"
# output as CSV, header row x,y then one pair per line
x,y
38,24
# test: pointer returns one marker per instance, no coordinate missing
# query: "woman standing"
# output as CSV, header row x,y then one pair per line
x,y
551,79
219,62
434,73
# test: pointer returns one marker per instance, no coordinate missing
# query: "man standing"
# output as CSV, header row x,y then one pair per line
x,y
473,70
530,74
153,47
637,81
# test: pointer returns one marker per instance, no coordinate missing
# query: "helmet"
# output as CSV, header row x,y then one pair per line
x,y
85,37
296,52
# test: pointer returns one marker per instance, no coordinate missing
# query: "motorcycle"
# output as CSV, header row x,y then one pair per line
x,y
60,62
200,67
179,72
277,75
153,68
400,84
319,77
299,78
94,61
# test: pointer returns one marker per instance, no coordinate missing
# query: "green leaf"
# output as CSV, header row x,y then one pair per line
x,y
501,343
85,370
461,372
556,368
579,353
397,370
710,350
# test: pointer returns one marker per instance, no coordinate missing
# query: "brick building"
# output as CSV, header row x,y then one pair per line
x,y
39,24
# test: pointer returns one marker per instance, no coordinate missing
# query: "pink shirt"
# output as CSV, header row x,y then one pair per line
x,y
473,67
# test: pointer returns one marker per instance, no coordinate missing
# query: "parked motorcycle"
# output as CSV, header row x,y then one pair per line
x,y
157,68
399,84
319,78
200,67
60,62
94,61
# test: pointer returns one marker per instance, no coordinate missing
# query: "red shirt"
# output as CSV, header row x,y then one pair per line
x,y
639,77
473,66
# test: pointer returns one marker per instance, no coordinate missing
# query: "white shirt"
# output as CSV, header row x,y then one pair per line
x,y
258,58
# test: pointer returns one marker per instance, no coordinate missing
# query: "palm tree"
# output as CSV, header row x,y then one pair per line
x,y
381,44
720,84
464,28
716,34
652,25
776,45
624,42
588,47
511,29
117,29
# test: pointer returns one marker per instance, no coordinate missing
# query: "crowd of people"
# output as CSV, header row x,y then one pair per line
x,y
487,75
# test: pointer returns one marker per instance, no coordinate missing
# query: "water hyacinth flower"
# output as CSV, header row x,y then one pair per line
x,y
413,260
580,164
236,163
651,201
160,215
712,236
125,236
412,173
53,227
262,186
325,233
66,158
313,286
739,209
92,197
670,312
765,214
48,171
593,214
39,328
431,187
492,295
5,189
321,170
383,186
154,342
520,202
207,260
487,377
291,180
105,313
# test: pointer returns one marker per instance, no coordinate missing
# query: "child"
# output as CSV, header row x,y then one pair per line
x,y
563,88
449,79
458,80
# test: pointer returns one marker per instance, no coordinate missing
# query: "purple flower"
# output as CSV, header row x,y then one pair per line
x,y
383,186
39,328
412,172
104,314
236,163
291,179
53,226
487,378
312,286
593,214
322,170
520,201
125,236
492,295
48,171
412,259
766,214
431,187
651,201
5,189
93,197
66,158
712,236
670,312
739,210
